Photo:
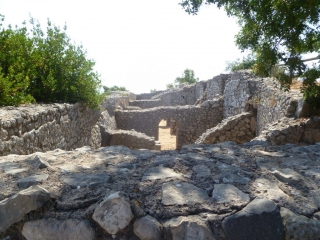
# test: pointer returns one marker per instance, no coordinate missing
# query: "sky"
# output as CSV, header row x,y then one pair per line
x,y
141,45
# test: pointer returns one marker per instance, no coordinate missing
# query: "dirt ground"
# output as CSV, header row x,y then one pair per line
x,y
168,142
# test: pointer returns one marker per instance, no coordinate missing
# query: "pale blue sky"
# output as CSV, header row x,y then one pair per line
x,y
141,45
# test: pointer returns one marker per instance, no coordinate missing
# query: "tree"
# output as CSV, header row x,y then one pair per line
x,y
276,31
187,77
153,90
246,63
114,88
45,66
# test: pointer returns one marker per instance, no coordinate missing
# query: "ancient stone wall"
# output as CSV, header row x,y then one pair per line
x,y
273,103
192,120
148,103
238,90
239,129
144,96
40,128
128,138
294,131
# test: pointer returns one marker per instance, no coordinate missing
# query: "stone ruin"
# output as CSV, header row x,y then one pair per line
x,y
247,166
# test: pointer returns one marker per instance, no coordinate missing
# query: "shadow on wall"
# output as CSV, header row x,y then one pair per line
x,y
168,141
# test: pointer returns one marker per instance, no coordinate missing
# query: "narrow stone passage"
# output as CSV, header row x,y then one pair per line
x,y
168,142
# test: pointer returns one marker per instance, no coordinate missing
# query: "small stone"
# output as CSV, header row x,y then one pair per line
x,y
147,228
83,180
190,227
114,212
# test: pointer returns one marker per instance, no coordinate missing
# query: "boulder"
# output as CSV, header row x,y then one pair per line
x,y
52,229
191,227
299,227
114,212
147,228
259,220
13,209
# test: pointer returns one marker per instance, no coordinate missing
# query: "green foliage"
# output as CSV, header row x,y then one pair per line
x,y
153,90
115,88
187,77
170,85
275,31
246,63
45,66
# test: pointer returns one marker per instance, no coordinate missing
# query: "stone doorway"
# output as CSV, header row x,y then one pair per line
x,y
168,141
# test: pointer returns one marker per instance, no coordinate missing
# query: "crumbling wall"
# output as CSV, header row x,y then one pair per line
x,y
148,103
44,127
192,120
130,139
288,130
239,129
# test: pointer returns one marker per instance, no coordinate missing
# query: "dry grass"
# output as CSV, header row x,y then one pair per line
x,y
168,142
296,84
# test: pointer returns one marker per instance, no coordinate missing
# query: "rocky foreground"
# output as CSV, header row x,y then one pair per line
x,y
221,191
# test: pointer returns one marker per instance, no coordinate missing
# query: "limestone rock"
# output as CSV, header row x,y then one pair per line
x,y
114,212
13,209
40,163
147,228
227,193
182,193
24,183
260,219
159,173
52,229
299,227
191,228
83,180
287,175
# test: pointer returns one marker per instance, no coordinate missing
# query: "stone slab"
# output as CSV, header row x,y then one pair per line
x,y
227,193
24,183
159,173
84,180
182,193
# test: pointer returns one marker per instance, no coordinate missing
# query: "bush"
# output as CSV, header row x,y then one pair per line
x,y
45,67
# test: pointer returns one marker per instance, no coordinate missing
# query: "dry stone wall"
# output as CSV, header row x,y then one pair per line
x,y
239,129
40,128
294,131
192,120
130,139
148,103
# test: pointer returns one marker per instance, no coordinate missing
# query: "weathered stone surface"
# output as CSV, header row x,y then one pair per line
x,y
299,227
268,189
13,209
191,227
147,228
159,173
227,193
260,219
39,162
201,171
114,212
83,180
182,193
52,229
227,177
24,183
287,175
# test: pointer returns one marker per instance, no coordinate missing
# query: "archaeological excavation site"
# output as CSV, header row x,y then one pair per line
x,y
244,165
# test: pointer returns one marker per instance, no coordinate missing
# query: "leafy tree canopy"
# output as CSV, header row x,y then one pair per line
x,y
246,63
188,77
44,66
114,88
277,31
